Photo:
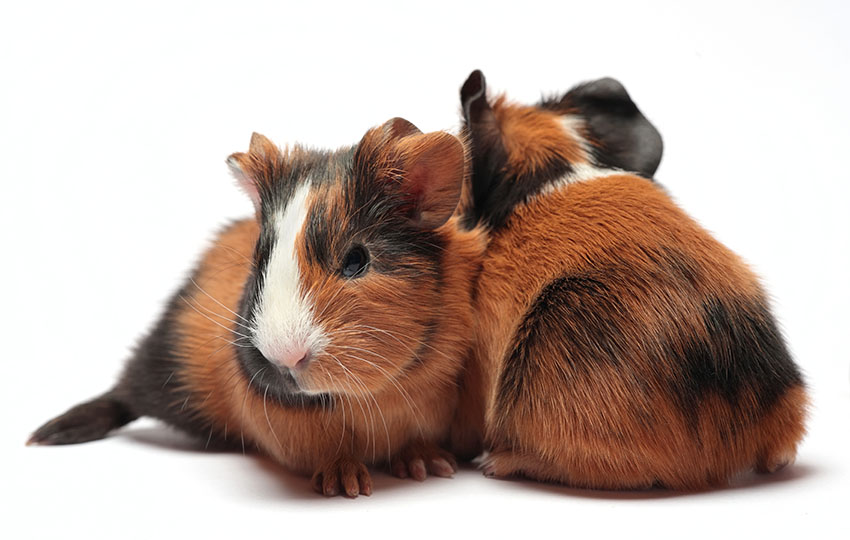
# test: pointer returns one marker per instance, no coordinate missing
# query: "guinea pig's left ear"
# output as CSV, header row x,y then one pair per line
x,y
625,138
473,100
432,170
253,169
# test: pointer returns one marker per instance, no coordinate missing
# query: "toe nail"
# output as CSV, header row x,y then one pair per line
x,y
441,467
418,470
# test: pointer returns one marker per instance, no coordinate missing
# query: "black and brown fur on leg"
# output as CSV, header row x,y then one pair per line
x,y
85,422
156,379
619,345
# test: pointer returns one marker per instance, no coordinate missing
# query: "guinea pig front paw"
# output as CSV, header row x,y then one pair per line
x,y
346,476
419,459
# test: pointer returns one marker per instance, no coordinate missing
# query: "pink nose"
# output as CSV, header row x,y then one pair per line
x,y
293,358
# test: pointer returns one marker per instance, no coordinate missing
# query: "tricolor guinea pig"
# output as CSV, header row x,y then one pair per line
x,y
330,330
618,345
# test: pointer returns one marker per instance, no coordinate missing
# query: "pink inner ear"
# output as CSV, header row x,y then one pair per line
x,y
236,162
433,177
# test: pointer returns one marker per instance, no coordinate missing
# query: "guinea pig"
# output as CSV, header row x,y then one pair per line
x,y
618,345
328,332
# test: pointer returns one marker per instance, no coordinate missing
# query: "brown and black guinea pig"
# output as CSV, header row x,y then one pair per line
x,y
618,345
329,331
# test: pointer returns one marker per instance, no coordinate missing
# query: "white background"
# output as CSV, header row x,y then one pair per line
x,y
114,125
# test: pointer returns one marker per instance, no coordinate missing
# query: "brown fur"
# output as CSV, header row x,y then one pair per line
x,y
571,417
384,410
213,375
533,136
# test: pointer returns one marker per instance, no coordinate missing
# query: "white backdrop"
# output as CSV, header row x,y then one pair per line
x,y
114,124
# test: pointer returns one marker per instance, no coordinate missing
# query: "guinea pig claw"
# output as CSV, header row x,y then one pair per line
x,y
441,467
417,469
344,476
399,469
419,460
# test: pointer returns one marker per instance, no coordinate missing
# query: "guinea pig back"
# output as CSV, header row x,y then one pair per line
x,y
618,344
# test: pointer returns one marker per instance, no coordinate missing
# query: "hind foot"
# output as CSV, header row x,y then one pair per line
x,y
775,462
585,475
86,422
504,463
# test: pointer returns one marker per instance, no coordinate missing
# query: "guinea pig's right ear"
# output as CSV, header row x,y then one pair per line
x,y
396,128
251,168
624,137
431,168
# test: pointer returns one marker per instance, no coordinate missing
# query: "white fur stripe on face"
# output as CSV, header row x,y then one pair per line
x,y
284,315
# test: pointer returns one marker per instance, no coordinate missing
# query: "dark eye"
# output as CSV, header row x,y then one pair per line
x,y
355,262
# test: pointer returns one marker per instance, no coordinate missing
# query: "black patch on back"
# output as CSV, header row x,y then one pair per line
x,y
571,321
496,190
495,203
744,352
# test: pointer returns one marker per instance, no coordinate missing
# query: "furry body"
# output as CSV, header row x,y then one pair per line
x,y
329,340
618,344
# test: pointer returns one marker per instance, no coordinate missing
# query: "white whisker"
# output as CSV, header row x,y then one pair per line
x,y
195,283
211,319
268,421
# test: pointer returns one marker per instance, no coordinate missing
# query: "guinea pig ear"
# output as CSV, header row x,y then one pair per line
x,y
432,171
628,140
473,99
396,128
248,168
487,148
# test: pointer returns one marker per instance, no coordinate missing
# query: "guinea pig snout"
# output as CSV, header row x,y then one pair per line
x,y
291,357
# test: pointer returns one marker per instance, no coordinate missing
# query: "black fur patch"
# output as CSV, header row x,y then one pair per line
x,y
151,384
87,421
570,322
495,195
744,351
371,215
424,348
623,137
277,385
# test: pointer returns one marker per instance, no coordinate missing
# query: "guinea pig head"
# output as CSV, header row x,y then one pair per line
x,y
516,149
346,283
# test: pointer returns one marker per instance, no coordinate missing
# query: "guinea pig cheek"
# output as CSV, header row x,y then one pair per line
x,y
373,331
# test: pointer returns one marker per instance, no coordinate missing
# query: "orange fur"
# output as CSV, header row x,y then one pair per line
x,y
574,418
382,408
532,136
419,407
